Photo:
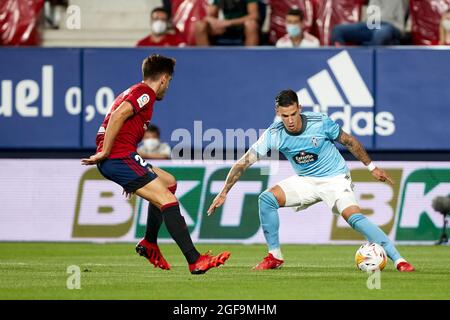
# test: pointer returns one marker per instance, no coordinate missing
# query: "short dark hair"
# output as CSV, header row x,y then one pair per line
x,y
159,9
156,65
152,128
286,98
296,12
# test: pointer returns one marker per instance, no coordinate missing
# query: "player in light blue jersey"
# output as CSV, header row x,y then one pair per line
x,y
307,140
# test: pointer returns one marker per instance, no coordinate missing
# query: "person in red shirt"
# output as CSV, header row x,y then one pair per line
x,y
117,160
161,35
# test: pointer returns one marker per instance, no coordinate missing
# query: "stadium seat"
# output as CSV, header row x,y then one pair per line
x,y
329,13
114,25
184,15
426,17
18,22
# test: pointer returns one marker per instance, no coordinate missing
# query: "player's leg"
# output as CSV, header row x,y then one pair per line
x,y
154,216
269,201
338,194
148,246
166,203
157,193
291,192
373,233
133,174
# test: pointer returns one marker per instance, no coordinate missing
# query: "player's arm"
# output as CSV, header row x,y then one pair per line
x,y
356,148
118,117
249,158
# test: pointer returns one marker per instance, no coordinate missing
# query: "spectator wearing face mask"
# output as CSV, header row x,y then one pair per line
x,y
296,35
151,146
444,29
161,34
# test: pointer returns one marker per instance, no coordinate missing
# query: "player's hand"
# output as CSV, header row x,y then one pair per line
x,y
218,201
381,175
94,159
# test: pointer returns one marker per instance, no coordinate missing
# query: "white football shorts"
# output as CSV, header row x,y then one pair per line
x,y
303,192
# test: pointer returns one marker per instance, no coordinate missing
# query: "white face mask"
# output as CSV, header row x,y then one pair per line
x,y
159,27
446,25
151,143
293,30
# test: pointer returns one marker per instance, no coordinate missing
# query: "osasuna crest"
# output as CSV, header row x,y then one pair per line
x,y
314,141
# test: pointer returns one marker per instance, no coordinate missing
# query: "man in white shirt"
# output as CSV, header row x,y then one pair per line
x,y
296,36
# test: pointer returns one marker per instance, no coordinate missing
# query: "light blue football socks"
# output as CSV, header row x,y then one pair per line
x,y
270,223
268,215
374,234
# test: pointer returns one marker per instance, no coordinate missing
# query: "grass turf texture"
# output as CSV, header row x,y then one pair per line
x,y
115,271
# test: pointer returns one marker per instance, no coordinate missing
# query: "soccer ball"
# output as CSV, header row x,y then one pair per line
x,y
370,257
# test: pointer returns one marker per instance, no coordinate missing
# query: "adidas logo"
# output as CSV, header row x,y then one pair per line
x,y
322,86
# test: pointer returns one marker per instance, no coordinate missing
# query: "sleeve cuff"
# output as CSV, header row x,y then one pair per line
x,y
339,135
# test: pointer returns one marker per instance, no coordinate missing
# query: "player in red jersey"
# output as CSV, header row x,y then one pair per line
x,y
118,161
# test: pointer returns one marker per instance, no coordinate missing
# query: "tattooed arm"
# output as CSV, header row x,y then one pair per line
x,y
356,148
233,176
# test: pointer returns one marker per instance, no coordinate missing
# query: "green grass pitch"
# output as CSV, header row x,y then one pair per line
x,y
115,271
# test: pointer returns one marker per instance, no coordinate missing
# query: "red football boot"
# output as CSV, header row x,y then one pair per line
x,y
269,262
405,267
207,261
152,253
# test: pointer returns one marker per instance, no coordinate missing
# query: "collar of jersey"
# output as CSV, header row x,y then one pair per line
x,y
304,122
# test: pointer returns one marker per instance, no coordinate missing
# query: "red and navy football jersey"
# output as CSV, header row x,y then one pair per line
x,y
142,98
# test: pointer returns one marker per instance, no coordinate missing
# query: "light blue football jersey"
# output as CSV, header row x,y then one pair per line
x,y
312,151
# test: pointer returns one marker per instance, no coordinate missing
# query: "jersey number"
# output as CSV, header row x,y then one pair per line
x,y
140,160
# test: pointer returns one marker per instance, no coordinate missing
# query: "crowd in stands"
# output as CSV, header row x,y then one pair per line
x,y
304,23
284,23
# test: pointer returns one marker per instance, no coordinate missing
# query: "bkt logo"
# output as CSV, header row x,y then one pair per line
x,y
103,212
355,95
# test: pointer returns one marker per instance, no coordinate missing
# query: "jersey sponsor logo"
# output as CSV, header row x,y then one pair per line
x,y
326,97
143,100
304,157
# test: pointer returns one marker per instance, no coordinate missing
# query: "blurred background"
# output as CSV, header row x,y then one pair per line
x,y
379,68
